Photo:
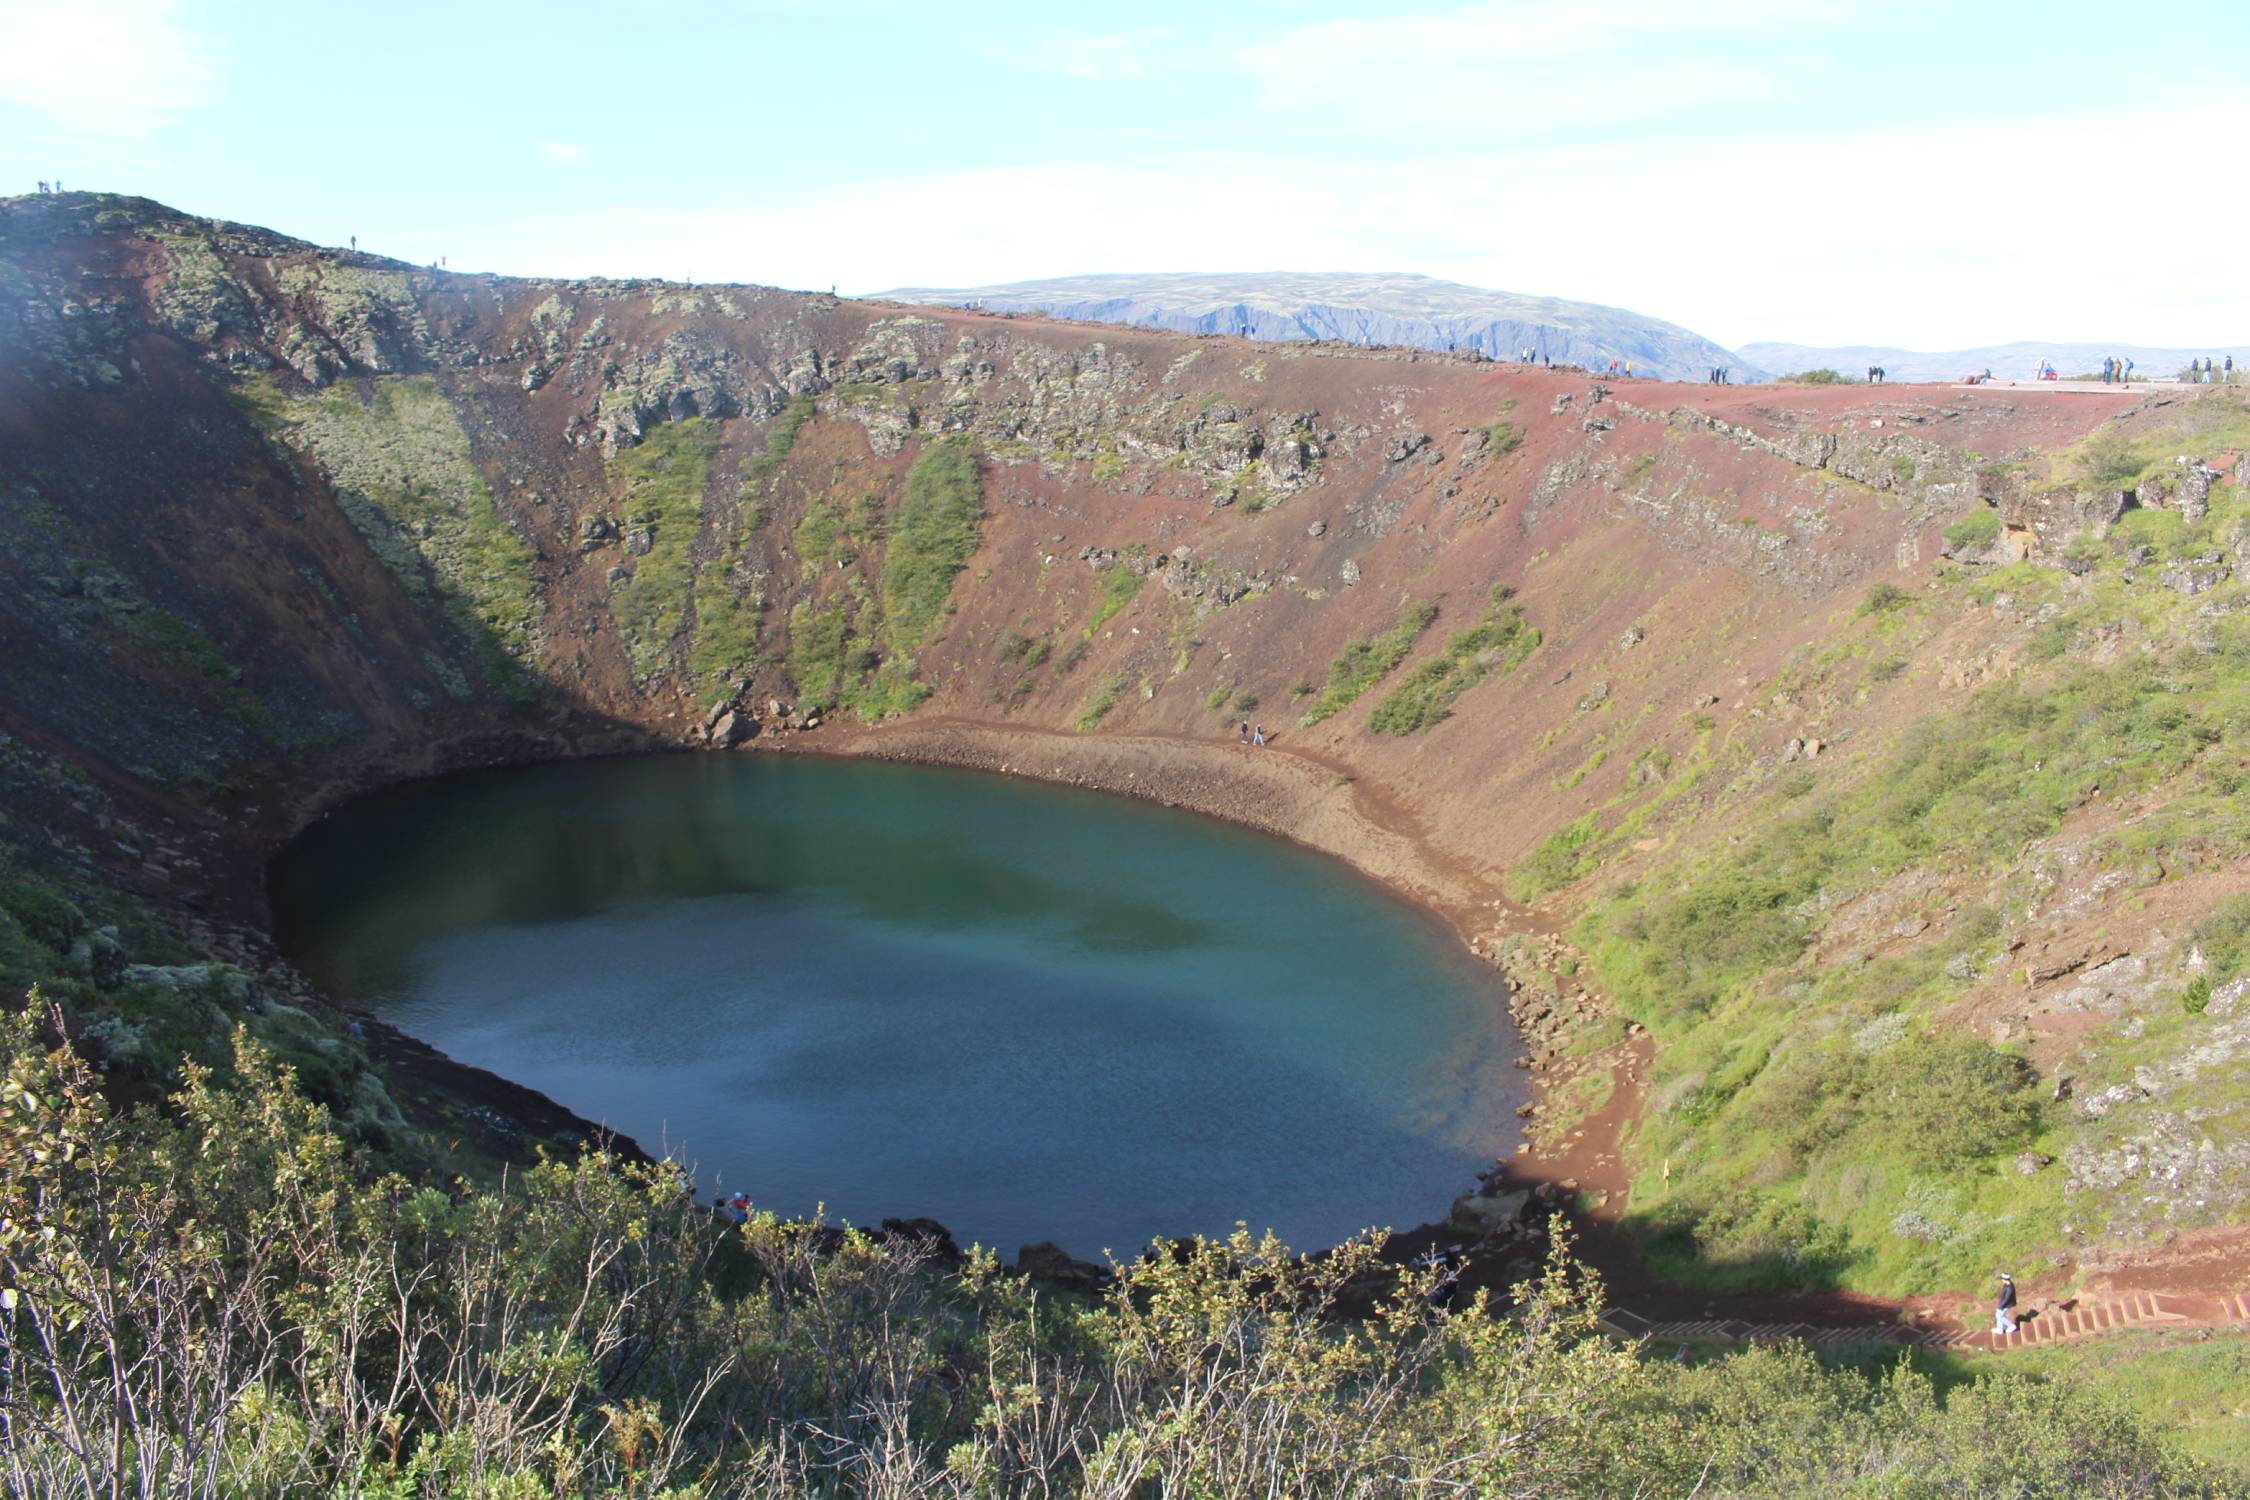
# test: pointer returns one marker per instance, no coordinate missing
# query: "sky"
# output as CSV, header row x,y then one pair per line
x,y
1923,173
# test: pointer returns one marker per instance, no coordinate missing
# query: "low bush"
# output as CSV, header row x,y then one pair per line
x,y
1365,661
1979,528
1492,646
221,1300
940,524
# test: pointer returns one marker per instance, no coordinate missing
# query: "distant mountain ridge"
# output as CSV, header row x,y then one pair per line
x,y
2016,361
1360,307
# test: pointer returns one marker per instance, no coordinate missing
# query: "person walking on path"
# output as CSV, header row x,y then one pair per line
x,y
1246,731
1258,736
2004,1309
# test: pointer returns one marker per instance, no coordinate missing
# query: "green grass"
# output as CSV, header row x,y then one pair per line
x,y
1501,436
1365,661
729,600
193,651
660,484
1830,1135
815,536
760,472
2193,1387
819,642
1979,528
939,527
1027,651
1100,702
402,470
1113,590
1492,646
1560,859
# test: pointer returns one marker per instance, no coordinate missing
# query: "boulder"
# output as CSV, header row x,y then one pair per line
x,y
731,729
1050,1263
2194,498
924,1232
1484,1213
220,981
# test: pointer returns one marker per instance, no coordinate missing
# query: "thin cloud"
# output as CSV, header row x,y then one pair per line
x,y
1633,226
1094,57
109,68
1521,64
564,153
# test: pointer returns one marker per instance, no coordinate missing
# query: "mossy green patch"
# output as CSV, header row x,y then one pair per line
x,y
1365,661
1979,528
1113,590
820,640
940,524
1493,646
660,485
1100,702
401,467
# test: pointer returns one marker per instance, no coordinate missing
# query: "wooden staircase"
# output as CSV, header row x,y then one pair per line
x,y
2063,1322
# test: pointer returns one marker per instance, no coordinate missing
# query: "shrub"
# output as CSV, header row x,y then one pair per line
x,y
2224,937
1494,645
1115,590
1100,702
1365,661
2111,459
1559,860
221,1298
1814,377
1979,528
1883,599
818,642
939,528
1950,1098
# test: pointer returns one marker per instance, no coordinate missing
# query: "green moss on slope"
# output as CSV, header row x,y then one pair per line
x,y
939,526
1825,1124
1365,661
660,484
1494,645
400,466
730,592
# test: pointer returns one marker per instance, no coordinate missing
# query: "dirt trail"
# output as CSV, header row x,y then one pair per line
x,y
1311,798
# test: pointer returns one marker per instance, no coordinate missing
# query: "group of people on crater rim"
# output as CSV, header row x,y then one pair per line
x,y
1721,375
2204,374
51,187
2116,371
1876,374
1252,736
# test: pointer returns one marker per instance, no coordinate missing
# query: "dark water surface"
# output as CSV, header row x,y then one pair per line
x,y
1028,1012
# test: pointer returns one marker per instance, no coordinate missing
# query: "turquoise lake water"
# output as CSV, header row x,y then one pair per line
x,y
1028,1012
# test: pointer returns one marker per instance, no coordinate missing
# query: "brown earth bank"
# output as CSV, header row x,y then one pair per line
x,y
280,524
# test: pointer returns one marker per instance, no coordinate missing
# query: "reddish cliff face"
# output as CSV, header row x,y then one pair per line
x,y
278,522
273,505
